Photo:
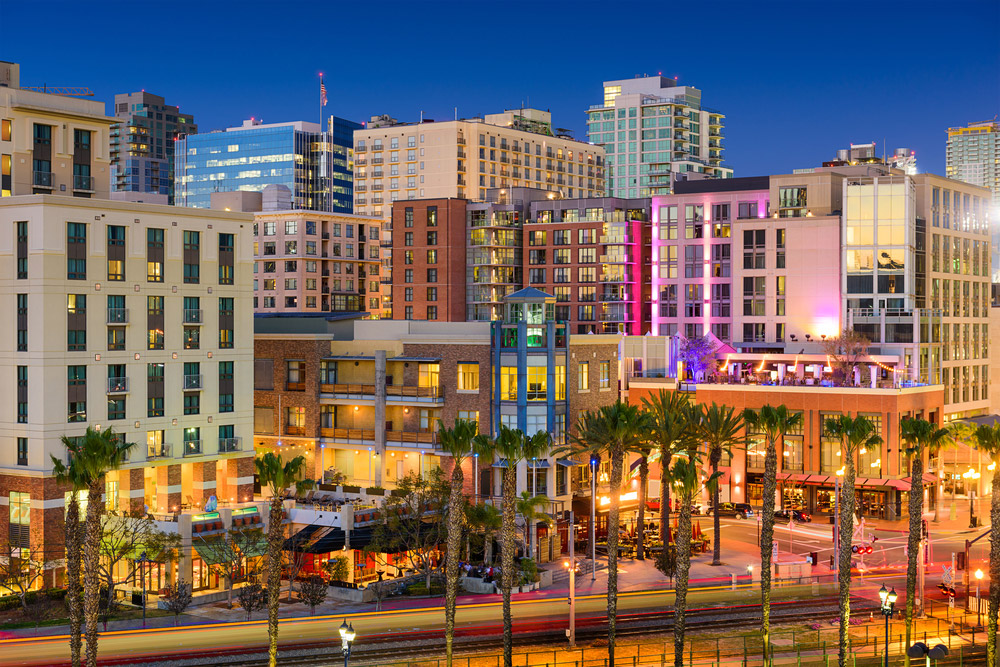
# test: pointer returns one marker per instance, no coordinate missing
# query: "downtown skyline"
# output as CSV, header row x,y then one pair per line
x,y
775,89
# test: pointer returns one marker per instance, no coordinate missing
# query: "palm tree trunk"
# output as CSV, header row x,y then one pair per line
x,y
767,544
91,565
507,537
74,601
455,512
846,535
641,518
274,544
664,498
617,463
991,617
913,539
716,523
683,542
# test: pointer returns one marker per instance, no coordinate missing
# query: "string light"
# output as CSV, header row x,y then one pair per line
x,y
725,366
762,362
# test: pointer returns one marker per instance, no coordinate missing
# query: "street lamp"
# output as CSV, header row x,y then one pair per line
x,y
594,460
570,565
142,560
836,517
346,639
970,475
979,613
888,605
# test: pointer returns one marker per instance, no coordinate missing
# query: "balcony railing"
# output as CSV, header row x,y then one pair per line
x,y
353,434
160,451
411,437
192,316
404,391
227,445
192,448
295,430
85,183
117,315
42,179
118,385
192,382
391,391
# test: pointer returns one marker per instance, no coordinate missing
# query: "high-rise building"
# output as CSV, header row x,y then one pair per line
x,y
655,132
51,143
902,158
135,317
143,141
316,169
973,155
464,158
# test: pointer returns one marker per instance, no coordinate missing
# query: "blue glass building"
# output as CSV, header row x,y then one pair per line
x,y
315,166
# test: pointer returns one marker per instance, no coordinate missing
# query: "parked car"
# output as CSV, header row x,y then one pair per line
x,y
796,515
738,510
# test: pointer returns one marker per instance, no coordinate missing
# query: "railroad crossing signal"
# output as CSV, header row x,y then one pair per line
x,y
861,549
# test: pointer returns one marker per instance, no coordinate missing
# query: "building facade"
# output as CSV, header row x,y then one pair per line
x,y
464,158
655,132
51,144
973,155
133,317
143,141
297,155
313,262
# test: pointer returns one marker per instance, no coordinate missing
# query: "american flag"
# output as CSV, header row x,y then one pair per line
x,y
322,92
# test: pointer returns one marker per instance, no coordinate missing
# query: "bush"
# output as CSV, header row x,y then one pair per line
x,y
10,602
420,588
529,571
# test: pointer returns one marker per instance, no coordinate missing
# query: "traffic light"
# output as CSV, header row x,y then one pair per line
x,y
861,549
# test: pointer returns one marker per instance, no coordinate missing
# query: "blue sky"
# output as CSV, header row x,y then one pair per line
x,y
797,80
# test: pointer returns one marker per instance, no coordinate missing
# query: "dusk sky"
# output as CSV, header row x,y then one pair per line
x,y
796,80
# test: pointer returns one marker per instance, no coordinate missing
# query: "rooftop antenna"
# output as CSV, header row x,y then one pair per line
x,y
456,113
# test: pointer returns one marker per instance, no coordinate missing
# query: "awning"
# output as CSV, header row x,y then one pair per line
x,y
569,463
314,539
791,477
361,537
538,464
928,479
213,550
898,484
502,463
818,479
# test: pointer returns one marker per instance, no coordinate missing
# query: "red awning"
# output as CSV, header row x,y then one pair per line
x,y
818,479
898,484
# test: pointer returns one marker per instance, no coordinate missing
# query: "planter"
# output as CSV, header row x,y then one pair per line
x,y
375,492
351,489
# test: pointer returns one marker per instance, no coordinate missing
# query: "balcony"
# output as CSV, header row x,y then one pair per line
x,y
230,445
192,382
410,438
192,448
348,390
377,160
83,183
348,434
118,385
117,316
295,386
405,392
192,316
42,179
361,149
160,451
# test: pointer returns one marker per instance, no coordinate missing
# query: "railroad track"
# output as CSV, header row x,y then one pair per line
x,y
390,648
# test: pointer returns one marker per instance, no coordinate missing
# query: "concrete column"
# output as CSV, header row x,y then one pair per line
x,y
379,464
873,375
132,489
168,488
203,484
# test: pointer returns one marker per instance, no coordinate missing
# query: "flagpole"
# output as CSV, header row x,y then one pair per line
x,y
321,102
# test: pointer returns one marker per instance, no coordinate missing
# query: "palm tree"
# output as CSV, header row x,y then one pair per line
x,y
456,442
719,428
685,477
644,450
614,430
668,418
959,433
71,475
988,440
512,446
855,434
277,474
919,435
484,519
773,423
93,456
531,509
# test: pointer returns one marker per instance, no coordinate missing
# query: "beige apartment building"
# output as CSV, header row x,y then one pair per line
x,y
51,144
313,262
463,158
135,317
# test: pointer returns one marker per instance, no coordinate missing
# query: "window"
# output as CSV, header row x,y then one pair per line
x,y
192,268
295,379
428,376
154,317
508,383
76,251
468,376
22,451
753,249
432,256
22,322
753,333
407,294
116,252
432,312
432,238
605,375
432,216
192,404
22,394
469,416
584,376
291,227
20,517
116,408
22,242
408,217
537,383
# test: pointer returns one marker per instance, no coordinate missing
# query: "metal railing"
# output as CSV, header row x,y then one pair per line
x,y
227,445
192,448
117,315
83,182
192,316
160,451
118,385
42,179
192,382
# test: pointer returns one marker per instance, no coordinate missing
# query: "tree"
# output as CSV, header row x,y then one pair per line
x,y
685,477
773,423
613,430
125,536
531,509
919,435
846,351
72,476
252,597
295,559
668,421
960,432
457,443
338,568
698,354
176,598
512,446
719,428
313,592
644,450
20,569
227,555
412,522
854,433
485,520
94,455
277,475
988,440
666,562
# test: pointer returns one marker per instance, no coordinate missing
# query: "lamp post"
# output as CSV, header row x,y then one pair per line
x,y
593,518
346,639
971,475
888,605
142,560
571,566
836,518
979,613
